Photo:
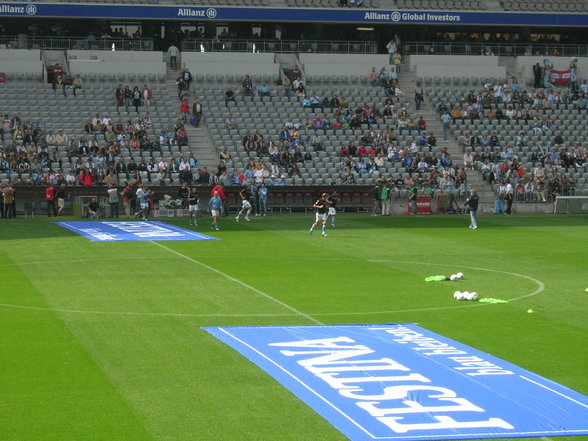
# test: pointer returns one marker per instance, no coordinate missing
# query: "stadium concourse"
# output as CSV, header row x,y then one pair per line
x,y
334,130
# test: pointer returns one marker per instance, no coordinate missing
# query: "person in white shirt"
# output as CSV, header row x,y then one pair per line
x,y
172,55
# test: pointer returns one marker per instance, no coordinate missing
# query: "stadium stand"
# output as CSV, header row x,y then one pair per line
x,y
524,5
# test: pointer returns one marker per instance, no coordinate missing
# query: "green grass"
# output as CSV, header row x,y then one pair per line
x,y
102,341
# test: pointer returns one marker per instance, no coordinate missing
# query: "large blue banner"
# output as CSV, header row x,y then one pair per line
x,y
403,382
105,231
324,15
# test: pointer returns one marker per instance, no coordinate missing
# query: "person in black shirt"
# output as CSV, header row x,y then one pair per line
x,y
245,194
183,194
472,204
322,208
193,206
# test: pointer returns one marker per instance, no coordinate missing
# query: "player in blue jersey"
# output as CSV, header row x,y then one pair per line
x,y
143,200
215,205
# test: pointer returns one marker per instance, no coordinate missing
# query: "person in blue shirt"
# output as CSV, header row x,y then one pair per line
x,y
143,200
263,90
262,193
215,206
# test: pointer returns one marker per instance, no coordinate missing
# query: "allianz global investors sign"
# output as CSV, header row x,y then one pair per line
x,y
397,16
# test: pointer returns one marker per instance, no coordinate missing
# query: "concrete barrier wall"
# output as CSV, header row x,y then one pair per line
x,y
238,70
126,67
337,69
366,60
461,71
235,58
19,54
451,60
116,56
12,66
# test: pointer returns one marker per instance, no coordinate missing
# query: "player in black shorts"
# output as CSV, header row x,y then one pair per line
x,y
245,194
322,208
193,206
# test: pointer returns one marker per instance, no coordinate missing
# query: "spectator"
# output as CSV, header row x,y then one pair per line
x,y
78,84
93,210
229,97
172,55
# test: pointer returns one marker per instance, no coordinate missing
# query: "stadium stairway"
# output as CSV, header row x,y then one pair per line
x,y
199,140
407,84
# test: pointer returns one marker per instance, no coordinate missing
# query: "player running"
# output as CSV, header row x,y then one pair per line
x,y
193,206
245,194
332,213
143,199
322,208
215,206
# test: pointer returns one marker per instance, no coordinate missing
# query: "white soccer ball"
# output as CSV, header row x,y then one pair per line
x,y
459,275
453,277
465,295
473,296
458,295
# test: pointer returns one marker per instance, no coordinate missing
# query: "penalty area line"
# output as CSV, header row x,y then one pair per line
x,y
239,282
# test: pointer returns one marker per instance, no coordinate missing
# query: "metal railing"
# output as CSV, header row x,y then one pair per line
x,y
281,46
66,43
498,49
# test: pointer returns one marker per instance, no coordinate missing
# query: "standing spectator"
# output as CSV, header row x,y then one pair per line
x,y
263,191
136,96
128,98
119,95
413,194
419,96
50,199
446,120
147,96
172,55
185,109
537,74
187,78
392,49
509,197
113,200
127,195
197,112
472,204
9,201
287,84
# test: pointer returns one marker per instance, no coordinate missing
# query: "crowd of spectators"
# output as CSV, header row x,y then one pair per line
x,y
33,155
545,173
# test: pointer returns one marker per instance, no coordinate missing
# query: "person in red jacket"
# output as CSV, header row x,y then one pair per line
x,y
218,188
50,199
185,109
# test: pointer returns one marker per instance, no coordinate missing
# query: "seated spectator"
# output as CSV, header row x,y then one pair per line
x,y
247,86
93,210
231,122
229,97
263,90
77,84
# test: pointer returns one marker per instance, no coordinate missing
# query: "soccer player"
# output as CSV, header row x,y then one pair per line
x,y
245,194
143,202
332,213
322,207
193,206
215,206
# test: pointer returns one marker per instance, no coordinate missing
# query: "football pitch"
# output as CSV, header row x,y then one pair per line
x,y
103,340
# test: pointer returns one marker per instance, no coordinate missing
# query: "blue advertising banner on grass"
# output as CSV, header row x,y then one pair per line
x,y
322,15
103,231
403,382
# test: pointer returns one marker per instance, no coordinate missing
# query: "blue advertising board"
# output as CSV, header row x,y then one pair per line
x,y
403,382
105,231
323,15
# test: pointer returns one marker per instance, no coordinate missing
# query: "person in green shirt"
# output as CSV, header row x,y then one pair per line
x,y
385,198
376,194
413,194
